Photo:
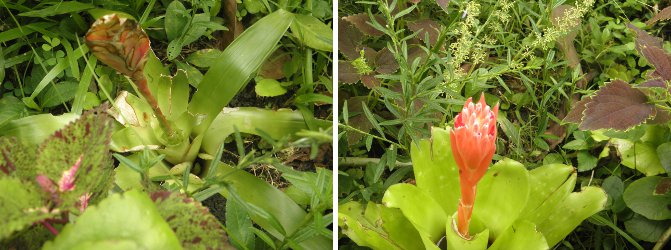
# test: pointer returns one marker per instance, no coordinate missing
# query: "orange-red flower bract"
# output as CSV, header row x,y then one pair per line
x,y
473,140
120,43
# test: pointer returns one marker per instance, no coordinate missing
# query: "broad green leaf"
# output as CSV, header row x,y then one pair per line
x,y
642,198
58,8
436,171
276,124
11,108
395,224
176,20
645,229
129,219
16,157
269,88
455,241
35,129
204,58
194,225
419,207
21,206
57,94
664,153
548,185
378,227
614,187
312,32
586,161
172,94
259,193
501,196
577,207
193,75
521,235
640,156
237,64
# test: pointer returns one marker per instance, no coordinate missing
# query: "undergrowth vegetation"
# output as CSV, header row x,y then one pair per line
x,y
407,67
222,102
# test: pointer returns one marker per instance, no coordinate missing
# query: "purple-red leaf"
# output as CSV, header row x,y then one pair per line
x,y
664,14
347,73
643,39
370,81
349,39
575,115
362,22
385,62
660,60
616,106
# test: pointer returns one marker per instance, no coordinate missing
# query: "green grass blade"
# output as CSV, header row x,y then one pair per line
x,y
236,65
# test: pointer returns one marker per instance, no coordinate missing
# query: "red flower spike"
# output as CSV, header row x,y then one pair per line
x,y
67,181
120,43
473,141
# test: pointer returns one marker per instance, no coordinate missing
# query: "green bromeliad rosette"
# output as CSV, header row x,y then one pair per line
x,y
513,208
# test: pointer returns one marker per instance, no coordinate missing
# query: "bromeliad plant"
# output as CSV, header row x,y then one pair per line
x,y
514,208
177,138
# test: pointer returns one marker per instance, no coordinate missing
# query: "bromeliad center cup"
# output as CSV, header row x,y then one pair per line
x,y
473,141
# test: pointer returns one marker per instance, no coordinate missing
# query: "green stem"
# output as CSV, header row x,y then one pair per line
x,y
361,161
146,93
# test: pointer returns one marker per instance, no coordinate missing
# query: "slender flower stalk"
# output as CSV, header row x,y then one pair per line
x,y
122,44
473,141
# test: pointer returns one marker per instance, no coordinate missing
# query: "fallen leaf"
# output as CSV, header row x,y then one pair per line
x,y
272,68
566,42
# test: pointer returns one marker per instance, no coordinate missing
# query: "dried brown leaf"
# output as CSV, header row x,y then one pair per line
x,y
272,68
427,26
664,14
566,42
362,22
235,27
616,106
